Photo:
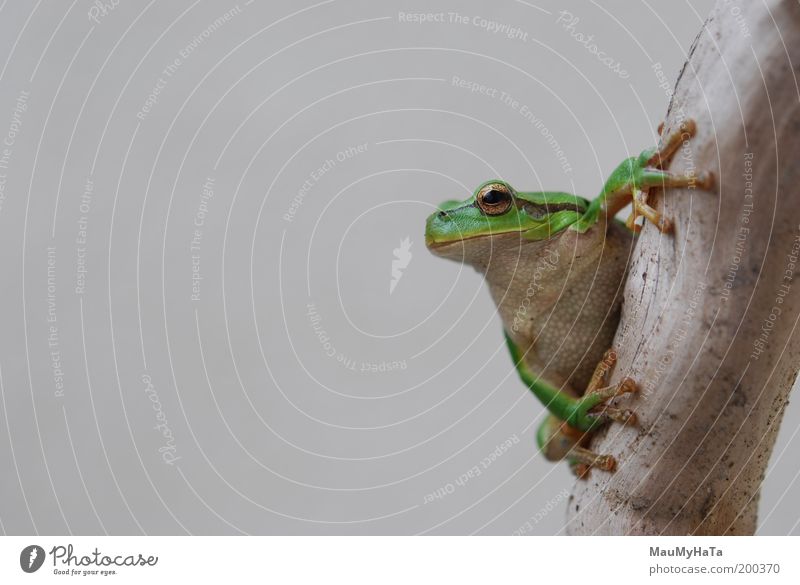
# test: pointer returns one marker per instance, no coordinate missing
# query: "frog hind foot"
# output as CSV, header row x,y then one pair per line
x,y
582,461
605,412
594,408
559,441
598,381
601,371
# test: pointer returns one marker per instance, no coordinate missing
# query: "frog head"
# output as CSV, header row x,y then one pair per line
x,y
497,217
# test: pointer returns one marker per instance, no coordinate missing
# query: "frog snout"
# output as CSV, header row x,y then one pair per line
x,y
435,225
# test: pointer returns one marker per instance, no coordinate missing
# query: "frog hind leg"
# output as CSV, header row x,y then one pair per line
x,y
580,458
586,412
558,441
581,461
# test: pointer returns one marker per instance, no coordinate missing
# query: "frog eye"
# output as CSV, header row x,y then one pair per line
x,y
494,199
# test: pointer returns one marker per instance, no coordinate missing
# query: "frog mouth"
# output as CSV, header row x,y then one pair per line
x,y
440,245
435,245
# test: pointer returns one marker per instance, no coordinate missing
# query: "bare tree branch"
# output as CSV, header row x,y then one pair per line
x,y
710,319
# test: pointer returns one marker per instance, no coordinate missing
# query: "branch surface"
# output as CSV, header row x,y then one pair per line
x,y
710,318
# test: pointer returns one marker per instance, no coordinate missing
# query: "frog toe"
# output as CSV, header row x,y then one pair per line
x,y
583,460
594,406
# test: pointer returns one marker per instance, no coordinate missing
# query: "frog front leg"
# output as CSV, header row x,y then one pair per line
x,y
572,420
632,180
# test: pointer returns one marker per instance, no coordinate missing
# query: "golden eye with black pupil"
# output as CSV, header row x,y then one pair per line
x,y
494,199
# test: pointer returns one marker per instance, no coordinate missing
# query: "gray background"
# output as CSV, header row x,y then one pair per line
x,y
269,433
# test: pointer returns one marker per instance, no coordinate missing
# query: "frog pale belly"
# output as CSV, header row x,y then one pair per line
x,y
564,320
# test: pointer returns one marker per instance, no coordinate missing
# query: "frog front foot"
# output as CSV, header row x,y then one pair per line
x,y
650,174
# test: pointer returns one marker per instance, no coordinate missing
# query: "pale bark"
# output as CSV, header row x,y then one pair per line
x,y
709,326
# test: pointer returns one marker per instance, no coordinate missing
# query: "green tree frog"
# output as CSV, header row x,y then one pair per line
x,y
555,265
